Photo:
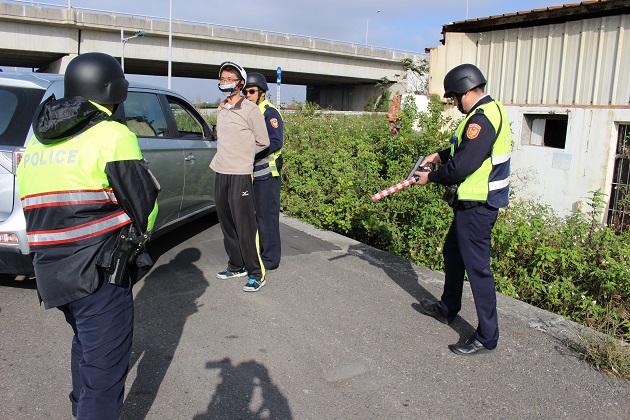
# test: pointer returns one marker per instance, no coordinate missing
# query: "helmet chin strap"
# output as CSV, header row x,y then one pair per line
x,y
460,105
260,92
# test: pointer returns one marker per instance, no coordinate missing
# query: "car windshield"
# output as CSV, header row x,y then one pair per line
x,y
17,106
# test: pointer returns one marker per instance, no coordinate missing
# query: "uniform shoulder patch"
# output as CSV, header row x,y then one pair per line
x,y
473,131
274,122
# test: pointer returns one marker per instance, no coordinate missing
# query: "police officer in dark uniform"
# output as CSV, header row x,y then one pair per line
x,y
82,183
478,163
267,168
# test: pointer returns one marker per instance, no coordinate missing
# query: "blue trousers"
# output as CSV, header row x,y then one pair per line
x,y
101,347
467,250
267,197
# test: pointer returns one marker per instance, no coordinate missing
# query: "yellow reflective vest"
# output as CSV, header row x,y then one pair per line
x,y
268,164
491,181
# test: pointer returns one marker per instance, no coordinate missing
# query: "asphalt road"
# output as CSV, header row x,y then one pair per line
x,y
333,335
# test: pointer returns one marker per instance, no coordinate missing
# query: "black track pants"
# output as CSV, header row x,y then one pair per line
x,y
234,197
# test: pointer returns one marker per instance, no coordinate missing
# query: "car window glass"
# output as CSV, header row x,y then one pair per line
x,y
8,104
187,125
144,115
17,106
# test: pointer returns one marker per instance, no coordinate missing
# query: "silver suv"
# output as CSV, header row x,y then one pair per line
x,y
175,140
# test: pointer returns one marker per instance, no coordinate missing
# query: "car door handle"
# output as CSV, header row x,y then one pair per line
x,y
190,158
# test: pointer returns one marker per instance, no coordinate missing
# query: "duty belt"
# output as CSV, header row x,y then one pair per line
x,y
470,204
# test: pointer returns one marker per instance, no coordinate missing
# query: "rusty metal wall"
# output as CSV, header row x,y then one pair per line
x,y
584,62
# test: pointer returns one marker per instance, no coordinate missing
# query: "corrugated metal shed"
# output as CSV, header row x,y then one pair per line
x,y
575,54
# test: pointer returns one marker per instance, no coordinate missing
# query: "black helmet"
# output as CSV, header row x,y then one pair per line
x,y
461,79
258,80
97,77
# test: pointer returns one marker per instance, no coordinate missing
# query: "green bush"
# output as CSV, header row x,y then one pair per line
x,y
571,266
335,163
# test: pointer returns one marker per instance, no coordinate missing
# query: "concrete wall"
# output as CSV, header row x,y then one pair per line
x,y
582,62
422,103
563,177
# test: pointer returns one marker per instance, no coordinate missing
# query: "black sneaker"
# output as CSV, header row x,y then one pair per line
x,y
227,274
253,285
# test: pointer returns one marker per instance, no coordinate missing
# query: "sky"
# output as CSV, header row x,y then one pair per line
x,y
408,25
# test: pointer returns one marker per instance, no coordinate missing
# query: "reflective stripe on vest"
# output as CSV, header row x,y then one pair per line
x,y
65,198
268,162
490,182
501,158
76,233
497,185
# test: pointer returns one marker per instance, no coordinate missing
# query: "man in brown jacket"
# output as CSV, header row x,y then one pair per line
x,y
241,133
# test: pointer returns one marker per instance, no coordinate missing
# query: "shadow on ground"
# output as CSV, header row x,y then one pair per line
x,y
245,392
402,272
161,312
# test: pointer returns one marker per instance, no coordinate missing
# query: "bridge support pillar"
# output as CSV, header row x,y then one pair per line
x,y
58,66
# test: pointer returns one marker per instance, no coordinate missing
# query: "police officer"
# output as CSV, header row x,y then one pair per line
x,y
82,180
478,161
267,172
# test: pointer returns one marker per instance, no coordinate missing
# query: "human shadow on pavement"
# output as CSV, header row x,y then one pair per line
x,y
161,245
245,392
402,272
167,298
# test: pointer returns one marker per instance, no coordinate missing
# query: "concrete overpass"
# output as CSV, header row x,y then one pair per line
x,y
338,75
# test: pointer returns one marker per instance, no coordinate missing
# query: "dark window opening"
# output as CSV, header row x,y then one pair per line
x,y
619,206
549,130
555,133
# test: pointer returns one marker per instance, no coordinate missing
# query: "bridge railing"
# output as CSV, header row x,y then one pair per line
x,y
212,25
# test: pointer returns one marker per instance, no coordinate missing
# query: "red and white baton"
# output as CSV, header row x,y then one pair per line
x,y
407,182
